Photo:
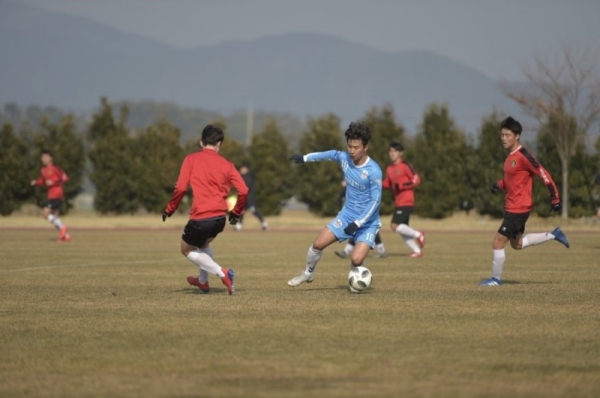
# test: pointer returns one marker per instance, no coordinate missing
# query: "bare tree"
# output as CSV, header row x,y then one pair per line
x,y
564,91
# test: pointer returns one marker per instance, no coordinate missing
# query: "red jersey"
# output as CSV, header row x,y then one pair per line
x,y
56,177
519,168
211,177
402,179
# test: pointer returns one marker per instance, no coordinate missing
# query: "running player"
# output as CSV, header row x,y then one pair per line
x,y
53,177
210,176
517,183
359,218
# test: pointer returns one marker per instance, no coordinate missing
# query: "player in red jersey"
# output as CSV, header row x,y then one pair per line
x,y
210,176
402,178
53,177
519,168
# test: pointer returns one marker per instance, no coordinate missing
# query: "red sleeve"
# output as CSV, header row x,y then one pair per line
x,y
180,187
40,181
501,184
242,191
386,183
56,176
412,179
536,168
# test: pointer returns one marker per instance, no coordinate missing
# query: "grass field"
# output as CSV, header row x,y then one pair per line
x,y
110,314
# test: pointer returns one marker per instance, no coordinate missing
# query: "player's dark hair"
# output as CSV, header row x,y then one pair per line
x,y
397,146
358,131
47,152
212,135
511,124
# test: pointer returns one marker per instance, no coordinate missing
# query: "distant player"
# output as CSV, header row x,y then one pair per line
x,y
251,203
53,177
517,183
359,218
210,176
345,253
402,179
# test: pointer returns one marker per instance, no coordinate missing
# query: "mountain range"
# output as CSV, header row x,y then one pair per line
x,y
56,59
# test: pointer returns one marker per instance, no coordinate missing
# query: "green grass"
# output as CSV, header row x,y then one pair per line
x,y
110,314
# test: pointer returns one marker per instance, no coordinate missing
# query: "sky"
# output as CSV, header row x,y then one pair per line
x,y
494,36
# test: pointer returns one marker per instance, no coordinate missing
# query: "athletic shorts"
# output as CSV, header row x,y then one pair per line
x,y
197,232
366,233
513,224
401,215
53,204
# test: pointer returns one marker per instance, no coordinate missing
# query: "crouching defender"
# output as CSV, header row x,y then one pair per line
x,y
359,218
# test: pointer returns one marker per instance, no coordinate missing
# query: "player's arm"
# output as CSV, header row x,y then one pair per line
x,y
412,179
546,178
180,188
497,186
56,178
39,182
386,183
242,192
316,156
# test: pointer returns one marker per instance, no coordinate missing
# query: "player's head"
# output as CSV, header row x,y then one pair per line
x,y
395,151
510,132
212,136
357,140
46,157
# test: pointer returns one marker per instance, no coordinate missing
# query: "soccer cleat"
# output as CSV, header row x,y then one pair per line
x,y
264,226
228,280
421,239
381,255
238,226
300,279
66,238
63,232
415,254
193,280
491,282
560,236
341,254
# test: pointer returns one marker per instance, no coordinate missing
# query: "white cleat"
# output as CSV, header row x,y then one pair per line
x,y
300,279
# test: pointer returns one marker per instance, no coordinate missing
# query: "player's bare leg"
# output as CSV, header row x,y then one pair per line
x,y
315,251
202,257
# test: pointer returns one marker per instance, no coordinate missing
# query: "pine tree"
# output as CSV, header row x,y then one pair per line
x,y
114,174
441,149
319,183
14,178
270,155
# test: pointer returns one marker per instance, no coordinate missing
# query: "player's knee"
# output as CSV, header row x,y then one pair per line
x,y
393,227
517,245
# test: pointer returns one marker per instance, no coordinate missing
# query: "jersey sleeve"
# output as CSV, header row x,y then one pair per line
x,y
40,181
386,183
57,177
411,179
536,168
320,156
375,203
242,191
181,186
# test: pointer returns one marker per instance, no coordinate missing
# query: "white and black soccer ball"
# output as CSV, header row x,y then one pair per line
x,y
359,279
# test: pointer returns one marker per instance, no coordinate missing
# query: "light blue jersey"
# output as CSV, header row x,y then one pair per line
x,y
363,196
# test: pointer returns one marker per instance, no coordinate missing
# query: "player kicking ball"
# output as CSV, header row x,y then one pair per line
x,y
519,168
211,177
359,217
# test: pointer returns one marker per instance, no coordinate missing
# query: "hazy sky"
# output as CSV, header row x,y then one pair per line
x,y
494,36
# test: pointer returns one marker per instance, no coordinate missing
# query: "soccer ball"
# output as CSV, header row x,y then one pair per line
x,y
359,279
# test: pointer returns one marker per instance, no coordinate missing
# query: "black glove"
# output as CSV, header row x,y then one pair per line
x,y
494,187
165,215
556,207
351,228
297,158
233,218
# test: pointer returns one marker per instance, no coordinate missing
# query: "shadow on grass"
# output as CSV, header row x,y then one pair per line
x,y
213,290
512,282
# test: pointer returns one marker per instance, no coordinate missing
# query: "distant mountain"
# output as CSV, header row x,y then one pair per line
x,y
67,61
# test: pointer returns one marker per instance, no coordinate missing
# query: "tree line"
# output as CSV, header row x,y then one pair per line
x,y
135,169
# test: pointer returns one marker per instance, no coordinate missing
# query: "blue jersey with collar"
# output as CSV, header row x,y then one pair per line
x,y
363,186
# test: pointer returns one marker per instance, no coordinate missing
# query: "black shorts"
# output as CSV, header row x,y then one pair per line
x,y
197,232
513,224
401,215
53,204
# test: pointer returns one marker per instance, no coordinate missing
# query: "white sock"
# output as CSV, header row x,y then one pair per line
x,y
55,221
204,262
410,242
312,258
498,264
380,248
348,248
405,230
536,239
203,278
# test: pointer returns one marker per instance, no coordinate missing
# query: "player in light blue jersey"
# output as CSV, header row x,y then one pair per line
x,y
359,218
